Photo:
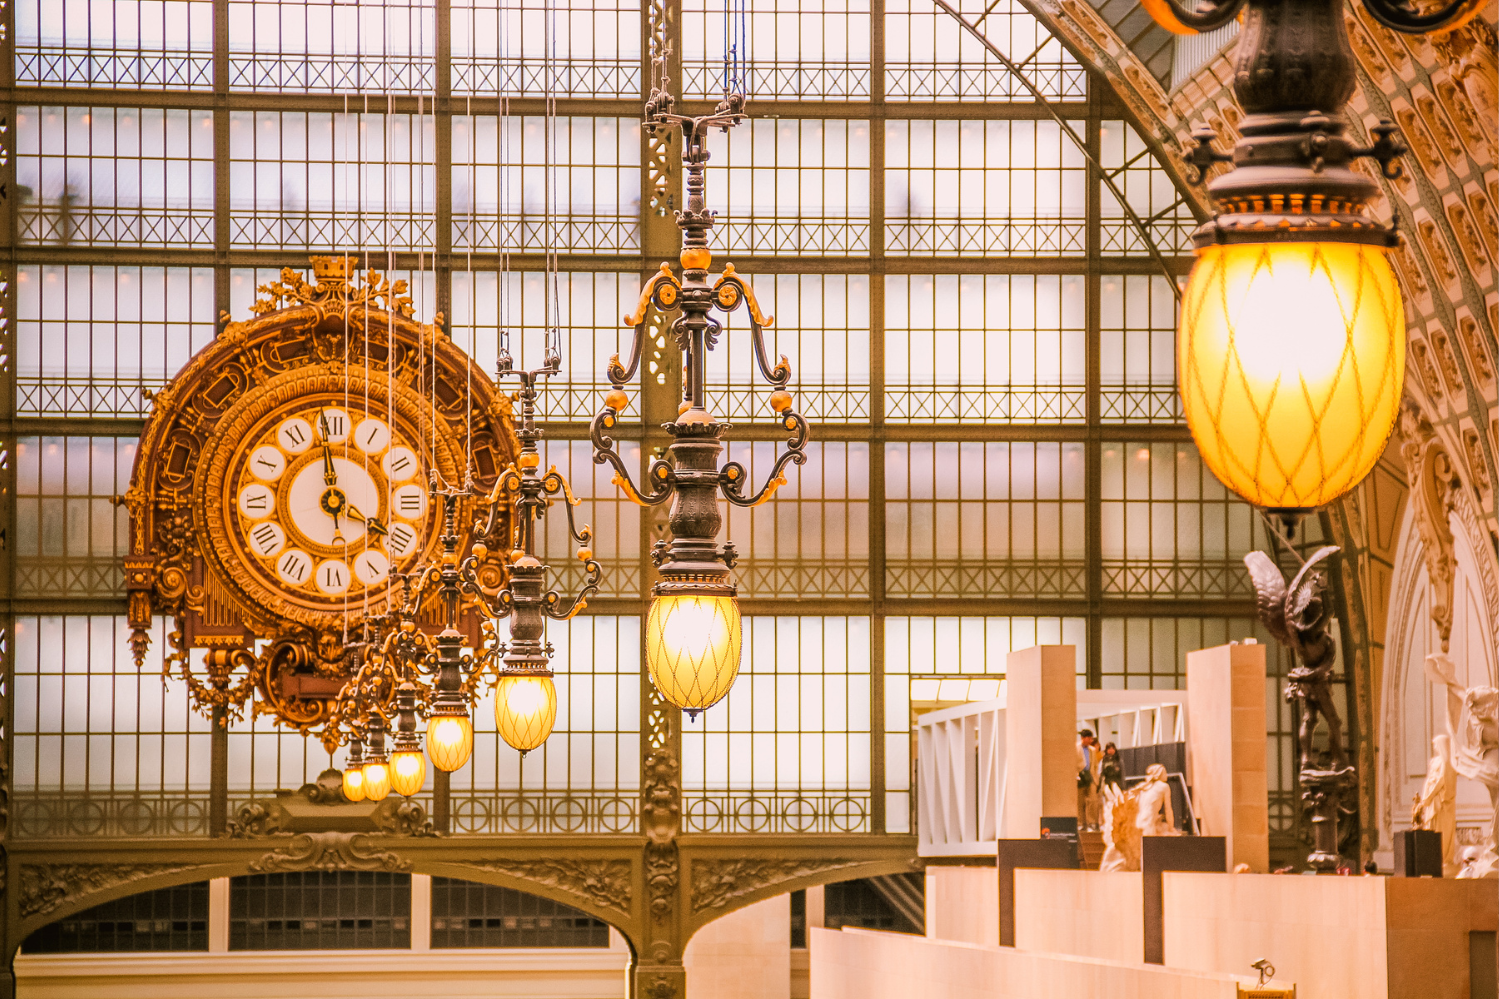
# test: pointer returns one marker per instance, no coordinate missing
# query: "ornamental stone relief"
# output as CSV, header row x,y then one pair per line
x,y
605,883
45,887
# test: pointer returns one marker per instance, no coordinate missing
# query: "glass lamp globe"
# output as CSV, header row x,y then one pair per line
x,y
376,780
450,741
1290,359
408,771
692,648
525,708
354,782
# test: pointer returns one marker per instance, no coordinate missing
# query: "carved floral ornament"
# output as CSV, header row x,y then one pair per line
x,y
255,424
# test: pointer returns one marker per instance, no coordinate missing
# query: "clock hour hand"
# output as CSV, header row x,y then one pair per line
x,y
330,475
374,526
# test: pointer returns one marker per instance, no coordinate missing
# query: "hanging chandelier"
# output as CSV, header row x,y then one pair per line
x,y
386,694
693,629
1291,347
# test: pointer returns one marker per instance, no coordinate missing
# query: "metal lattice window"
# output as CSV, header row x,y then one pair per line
x,y
991,188
788,751
975,518
497,48
102,748
331,181
996,348
590,206
168,919
930,57
92,340
821,325
814,537
590,306
70,535
1169,527
1150,192
466,914
114,176
585,778
793,186
320,910
142,45
1137,350
794,49
326,46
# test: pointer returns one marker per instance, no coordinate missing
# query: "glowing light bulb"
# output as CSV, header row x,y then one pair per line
x,y
408,771
450,741
1291,359
692,648
354,783
376,781
525,708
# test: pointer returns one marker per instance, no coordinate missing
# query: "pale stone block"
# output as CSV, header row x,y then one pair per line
x,y
864,964
1083,913
744,955
1326,934
962,903
1040,736
1226,750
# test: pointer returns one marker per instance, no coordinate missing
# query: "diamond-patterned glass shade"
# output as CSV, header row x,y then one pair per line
x,y
354,783
1291,358
692,648
376,781
408,771
450,741
525,707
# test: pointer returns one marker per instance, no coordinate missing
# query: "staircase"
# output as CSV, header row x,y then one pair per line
x,y
1090,850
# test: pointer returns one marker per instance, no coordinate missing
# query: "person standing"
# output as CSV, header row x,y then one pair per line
x,y
1111,771
1089,763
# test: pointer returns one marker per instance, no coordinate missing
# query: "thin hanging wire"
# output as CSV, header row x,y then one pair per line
x,y
552,345
735,43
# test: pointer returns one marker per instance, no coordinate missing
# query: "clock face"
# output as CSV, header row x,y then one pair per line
x,y
328,498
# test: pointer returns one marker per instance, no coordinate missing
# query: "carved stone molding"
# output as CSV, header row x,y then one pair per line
x,y
606,883
1429,471
329,851
715,882
44,887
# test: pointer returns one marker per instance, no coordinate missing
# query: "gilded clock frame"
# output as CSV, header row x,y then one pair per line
x,y
305,339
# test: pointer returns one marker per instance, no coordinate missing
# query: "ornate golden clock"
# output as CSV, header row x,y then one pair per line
x,y
285,484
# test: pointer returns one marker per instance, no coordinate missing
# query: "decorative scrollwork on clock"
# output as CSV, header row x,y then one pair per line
x,y
282,488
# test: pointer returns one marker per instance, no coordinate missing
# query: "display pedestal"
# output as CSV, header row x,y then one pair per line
x,y
1172,853
1418,853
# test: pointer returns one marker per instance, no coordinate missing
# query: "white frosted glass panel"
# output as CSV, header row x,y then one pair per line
x,y
130,44
788,749
91,340
321,46
790,49
930,56
821,326
586,307
584,51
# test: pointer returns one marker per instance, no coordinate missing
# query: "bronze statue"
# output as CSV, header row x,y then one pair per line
x,y
1298,616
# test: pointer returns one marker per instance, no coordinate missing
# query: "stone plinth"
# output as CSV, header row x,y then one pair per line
x,y
1040,736
1226,750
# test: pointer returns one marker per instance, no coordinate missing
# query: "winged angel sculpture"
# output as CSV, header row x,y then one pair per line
x,y
1298,616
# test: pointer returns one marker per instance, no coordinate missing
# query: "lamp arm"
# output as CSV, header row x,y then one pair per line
x,y
603,451
1407,20
1178,20
552,602
732,476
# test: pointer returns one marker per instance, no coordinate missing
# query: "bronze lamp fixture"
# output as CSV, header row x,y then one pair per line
x,y
693,628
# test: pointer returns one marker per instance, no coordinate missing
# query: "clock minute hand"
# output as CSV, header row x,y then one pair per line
x,y
374,526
